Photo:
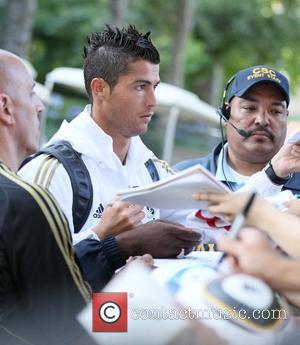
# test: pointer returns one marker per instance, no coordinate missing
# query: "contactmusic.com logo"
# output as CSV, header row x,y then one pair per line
x,y
110,312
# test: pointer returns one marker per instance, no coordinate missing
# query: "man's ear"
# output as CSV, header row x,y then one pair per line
x,y
6,110
100,88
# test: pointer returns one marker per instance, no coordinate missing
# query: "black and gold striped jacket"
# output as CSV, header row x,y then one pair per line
x,y
41,286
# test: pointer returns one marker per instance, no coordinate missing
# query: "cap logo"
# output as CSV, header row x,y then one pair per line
x,y
261,72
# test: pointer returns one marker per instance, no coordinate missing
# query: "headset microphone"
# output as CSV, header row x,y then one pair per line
x,y
241,131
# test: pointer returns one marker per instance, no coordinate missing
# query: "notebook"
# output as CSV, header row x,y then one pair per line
x,y
175,192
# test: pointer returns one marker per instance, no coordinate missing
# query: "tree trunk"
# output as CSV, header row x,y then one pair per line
x,y
183,24
2,16
216,84
18,26
118,11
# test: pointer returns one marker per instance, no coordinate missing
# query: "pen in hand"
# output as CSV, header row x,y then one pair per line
x,y
238,223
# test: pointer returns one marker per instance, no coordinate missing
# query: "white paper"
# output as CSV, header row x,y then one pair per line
x,y
294,138
175,192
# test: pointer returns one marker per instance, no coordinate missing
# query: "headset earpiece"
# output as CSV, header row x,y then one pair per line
x,y
224,110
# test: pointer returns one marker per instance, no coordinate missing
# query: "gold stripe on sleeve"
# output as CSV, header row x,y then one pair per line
x,y
58,225
51,173
40,168
164,165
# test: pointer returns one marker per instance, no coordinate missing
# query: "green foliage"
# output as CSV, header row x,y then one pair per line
x,y
60,32
233,33
245,33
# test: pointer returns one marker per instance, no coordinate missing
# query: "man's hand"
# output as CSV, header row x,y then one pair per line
x,y
159,238
119,217
287,160
228,205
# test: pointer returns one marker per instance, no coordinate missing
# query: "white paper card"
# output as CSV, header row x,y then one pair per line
x,y
175,192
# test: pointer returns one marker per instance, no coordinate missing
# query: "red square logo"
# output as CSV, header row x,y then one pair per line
x,y
110,312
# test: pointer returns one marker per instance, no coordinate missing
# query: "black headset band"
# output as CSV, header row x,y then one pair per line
x,y
224,110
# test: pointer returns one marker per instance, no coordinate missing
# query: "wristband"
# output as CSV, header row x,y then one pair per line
x,y
274,178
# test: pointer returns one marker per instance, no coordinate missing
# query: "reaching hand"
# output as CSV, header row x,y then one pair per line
x,y
227,204
251,253
159,238
119,217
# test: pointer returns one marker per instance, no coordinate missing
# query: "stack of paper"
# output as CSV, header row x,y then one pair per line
x,y
175,192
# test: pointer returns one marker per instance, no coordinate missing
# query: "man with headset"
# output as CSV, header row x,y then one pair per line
x,y
255,110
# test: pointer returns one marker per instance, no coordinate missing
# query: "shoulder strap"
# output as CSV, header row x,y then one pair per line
x,y
79,177
152,170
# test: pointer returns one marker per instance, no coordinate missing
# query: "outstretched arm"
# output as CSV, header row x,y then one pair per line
x,y
283,228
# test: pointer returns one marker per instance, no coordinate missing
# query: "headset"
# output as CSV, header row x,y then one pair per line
x,y
224,113
224,109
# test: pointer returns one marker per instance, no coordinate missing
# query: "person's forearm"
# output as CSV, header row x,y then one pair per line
x,y
282,227
292,297
284,275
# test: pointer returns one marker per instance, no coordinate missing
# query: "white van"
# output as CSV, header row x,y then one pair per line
x,y
183,126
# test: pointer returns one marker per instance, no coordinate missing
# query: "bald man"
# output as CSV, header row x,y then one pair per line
x,y
41,286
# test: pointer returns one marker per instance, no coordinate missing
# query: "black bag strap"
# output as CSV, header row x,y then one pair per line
x,y
79,176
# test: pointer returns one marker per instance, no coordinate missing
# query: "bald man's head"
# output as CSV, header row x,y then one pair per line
x,y
20,107
10,64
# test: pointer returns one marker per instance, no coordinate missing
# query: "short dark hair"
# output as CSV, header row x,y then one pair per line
x,y
109,52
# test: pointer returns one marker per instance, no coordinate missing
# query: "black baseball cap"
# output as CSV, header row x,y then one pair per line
x,y
248,77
